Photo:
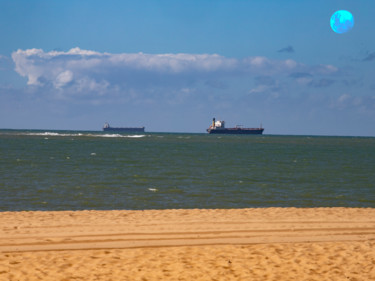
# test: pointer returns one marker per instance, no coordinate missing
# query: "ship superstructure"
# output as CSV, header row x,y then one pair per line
x,y
218,127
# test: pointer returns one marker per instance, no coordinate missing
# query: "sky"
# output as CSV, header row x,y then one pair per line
x,y
172,66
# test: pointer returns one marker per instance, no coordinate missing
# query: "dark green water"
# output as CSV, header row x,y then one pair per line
x,y
92,170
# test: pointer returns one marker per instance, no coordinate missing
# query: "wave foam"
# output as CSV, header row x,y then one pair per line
x,y
55,134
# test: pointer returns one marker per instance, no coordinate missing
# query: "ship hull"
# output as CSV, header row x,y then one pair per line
x,y
237,131
126,130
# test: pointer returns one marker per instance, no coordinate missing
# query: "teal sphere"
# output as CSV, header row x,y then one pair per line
x,y
342,21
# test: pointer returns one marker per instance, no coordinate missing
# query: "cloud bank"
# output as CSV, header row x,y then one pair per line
x,y
92,73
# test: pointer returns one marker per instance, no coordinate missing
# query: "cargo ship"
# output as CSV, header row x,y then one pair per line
x,y
107,127
218,127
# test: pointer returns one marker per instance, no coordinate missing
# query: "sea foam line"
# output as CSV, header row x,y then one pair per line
x,y
54,134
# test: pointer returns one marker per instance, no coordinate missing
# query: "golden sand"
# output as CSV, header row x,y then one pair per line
x,y
243,244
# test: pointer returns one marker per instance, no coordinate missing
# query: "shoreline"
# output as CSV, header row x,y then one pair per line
x,y
181,244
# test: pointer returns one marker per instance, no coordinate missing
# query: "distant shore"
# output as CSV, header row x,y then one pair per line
x,y
235,244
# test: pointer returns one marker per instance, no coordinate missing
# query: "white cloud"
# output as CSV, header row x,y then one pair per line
x,y
63,78
343,98
324,69
58,67
173,63
93,73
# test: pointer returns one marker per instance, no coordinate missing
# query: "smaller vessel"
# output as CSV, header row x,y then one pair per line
x,y
218,127
107,127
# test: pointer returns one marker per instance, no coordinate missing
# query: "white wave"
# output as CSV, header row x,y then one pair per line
x,y
55,134
119,136
135,136
108,136
42,134
52,134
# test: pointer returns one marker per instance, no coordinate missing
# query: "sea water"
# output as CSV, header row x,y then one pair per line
x,y
75,170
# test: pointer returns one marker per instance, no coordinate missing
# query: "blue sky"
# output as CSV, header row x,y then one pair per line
x,y
173,65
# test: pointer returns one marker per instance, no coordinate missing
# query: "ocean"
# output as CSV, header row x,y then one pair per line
x,y
76,170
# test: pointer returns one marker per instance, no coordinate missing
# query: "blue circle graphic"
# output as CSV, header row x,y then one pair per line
x,y
342,21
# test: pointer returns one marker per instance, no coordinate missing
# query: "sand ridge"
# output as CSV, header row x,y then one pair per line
x,y
238,244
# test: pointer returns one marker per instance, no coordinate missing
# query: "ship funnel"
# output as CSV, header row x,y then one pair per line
x,y
213,122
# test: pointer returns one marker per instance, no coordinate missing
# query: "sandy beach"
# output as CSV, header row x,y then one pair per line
x,y
240,244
